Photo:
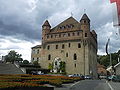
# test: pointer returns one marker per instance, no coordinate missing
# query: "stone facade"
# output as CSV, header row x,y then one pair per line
x,y
72,42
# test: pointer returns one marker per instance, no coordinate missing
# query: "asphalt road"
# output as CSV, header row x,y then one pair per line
x,y
91,85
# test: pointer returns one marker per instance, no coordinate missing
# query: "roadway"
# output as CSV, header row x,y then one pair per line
x,y
91,85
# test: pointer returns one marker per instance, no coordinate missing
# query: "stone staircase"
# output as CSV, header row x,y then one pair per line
x,y
8,68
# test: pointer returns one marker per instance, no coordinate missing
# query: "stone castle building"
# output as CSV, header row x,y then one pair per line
x,y
71,42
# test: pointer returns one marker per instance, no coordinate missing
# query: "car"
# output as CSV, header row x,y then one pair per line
x,y
102,77
114,78
76,75
88,77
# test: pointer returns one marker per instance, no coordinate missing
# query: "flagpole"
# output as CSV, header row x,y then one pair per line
x,y
110,53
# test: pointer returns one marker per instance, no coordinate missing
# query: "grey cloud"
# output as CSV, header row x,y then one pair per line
x,y
18,22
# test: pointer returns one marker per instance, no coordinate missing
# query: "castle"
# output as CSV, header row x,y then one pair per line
x,y
70,42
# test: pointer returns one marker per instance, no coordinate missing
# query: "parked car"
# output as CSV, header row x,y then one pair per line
x,y
114,78
76,75
102,77
88,77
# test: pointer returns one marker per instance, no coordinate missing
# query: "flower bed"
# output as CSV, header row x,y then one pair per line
x,y
25,80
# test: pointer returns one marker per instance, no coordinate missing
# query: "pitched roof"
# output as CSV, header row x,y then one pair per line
x,y
85,17
46,23
69,21
37,46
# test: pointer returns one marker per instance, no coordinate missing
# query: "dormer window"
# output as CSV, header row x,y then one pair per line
x,y
60,27
63,27
67,26
71,25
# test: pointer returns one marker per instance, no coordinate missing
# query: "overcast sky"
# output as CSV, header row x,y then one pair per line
x,y
21,21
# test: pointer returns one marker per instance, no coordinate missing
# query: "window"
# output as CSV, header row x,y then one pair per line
x,y
73,34
38,51
75,57
66,54
64,35
85,34
37,58
59,35
79,45
63,46
56,46
67,26
60,27
75,65
48,47
49,57
33,59
84,21
51,36
55,36
33,52
47,36
69,45
78,33
68,34
71,25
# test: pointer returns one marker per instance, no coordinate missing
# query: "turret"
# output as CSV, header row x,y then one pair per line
x,y
85,25
45,30
46,26
85,22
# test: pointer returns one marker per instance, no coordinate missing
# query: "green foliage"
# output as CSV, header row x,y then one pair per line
x,y
25,62
50,66
105,59
13,56
35,63
62,66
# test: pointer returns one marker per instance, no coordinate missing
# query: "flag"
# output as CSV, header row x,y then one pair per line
x,y
112,1
117,23
107,45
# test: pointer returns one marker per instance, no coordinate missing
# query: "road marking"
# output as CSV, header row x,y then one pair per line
x,y
109,85
74,84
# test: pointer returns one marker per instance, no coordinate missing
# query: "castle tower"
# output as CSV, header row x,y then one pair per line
x,y
85,25
45,30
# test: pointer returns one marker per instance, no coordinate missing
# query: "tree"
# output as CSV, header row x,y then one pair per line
x,y
13,56
25,62
36,63
105,59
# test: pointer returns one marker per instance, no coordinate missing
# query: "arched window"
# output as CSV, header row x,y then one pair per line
x,y
66,54
51,36
75,65
68,34
56,46
78,33
69,45
49,57
75,56
79,45
73,34
85,34
63,46
48,47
